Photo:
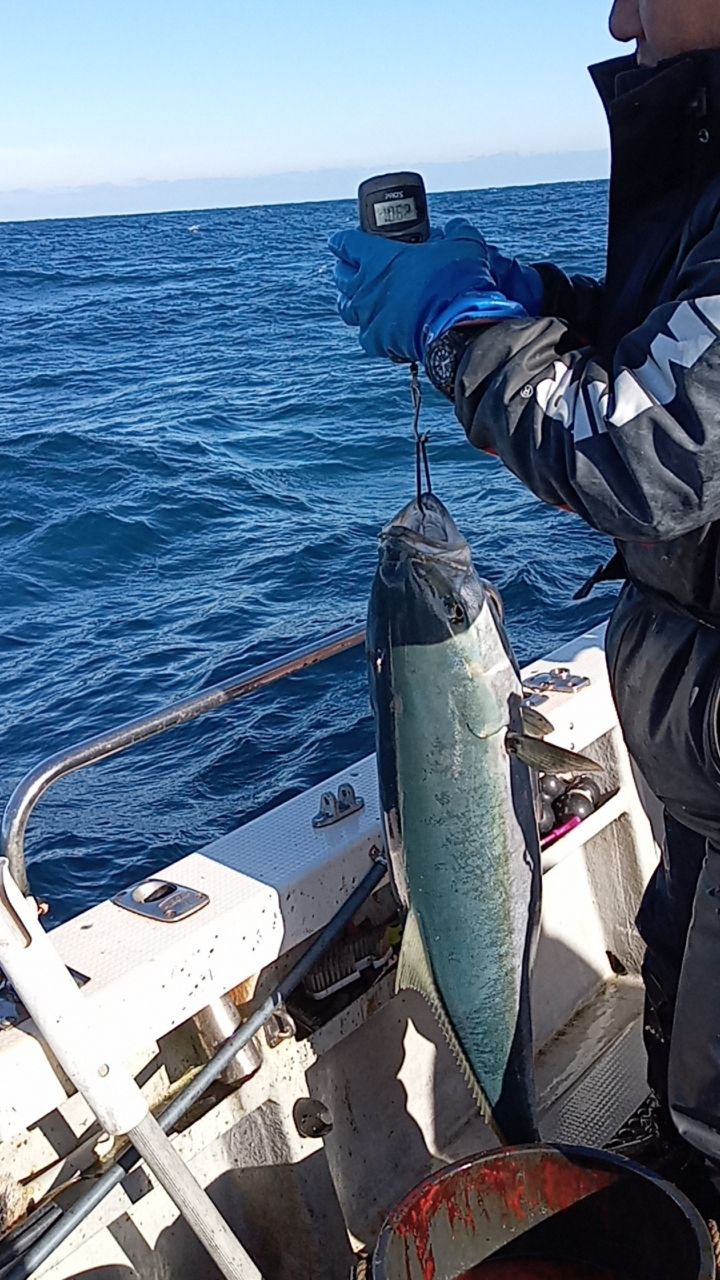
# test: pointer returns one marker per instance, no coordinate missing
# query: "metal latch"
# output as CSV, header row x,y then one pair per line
x,y
333,808
558,680
161,900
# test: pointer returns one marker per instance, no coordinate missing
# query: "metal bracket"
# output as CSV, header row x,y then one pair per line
x,y
161,900
279,1027
536,699
333,808
558,680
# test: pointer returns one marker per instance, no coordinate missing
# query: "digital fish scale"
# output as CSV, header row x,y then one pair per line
x,y
394,205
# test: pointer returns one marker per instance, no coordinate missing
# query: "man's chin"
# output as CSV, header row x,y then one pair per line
x,y
646,57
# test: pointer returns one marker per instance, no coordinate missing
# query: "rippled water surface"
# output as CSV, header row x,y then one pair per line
x,y
196,460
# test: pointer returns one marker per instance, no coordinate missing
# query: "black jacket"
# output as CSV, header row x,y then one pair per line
x,y
613,410
609,405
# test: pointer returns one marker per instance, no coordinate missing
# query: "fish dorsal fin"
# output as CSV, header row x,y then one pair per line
x,y
414,973
547,757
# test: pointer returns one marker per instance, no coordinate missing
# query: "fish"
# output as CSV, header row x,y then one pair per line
x,y
458,799
535,724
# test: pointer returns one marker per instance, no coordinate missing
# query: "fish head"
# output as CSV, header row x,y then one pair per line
x,y
426,559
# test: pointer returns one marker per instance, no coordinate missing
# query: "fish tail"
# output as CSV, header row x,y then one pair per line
x,y
414,973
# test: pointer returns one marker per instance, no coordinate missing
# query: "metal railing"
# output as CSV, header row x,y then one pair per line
x,y
35,783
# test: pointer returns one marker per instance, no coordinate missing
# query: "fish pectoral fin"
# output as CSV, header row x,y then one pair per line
x,y
414,973
548,758
534,723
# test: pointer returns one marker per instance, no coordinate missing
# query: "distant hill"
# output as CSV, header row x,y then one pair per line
x,y
502,170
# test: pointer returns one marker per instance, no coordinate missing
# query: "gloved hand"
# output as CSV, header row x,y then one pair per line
x,y
521,283
517,281
404,296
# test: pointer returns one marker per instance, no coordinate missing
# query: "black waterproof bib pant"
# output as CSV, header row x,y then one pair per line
x,y
665,672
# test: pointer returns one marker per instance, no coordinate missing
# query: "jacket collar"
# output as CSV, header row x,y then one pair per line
x,y
679,82
605,76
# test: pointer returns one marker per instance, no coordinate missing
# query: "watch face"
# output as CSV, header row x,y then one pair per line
x,y
446,361
442,362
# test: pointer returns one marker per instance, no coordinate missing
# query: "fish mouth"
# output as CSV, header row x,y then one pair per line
x,y
426,528
427,562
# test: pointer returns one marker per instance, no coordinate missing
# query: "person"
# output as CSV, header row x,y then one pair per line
x,y
603,397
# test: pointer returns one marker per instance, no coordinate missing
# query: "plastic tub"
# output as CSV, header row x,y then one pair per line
x,y
544,1213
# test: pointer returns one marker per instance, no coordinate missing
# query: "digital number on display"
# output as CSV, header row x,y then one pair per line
x,y
390,212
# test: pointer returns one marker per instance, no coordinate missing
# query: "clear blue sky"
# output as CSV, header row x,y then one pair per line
x,y
96,91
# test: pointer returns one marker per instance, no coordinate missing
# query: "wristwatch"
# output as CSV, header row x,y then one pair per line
x,y
443,357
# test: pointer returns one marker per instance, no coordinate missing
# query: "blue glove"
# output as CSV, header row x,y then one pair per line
x,y
404,296
522,284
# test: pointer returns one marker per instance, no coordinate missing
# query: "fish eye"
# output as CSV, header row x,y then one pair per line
x,y
456,613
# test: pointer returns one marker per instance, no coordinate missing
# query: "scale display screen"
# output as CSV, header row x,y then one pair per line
x,y
389,213
394,205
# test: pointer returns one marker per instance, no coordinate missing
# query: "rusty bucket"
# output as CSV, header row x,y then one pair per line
x,y
544,1213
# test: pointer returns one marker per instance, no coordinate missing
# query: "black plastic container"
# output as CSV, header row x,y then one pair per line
x,y
545,1206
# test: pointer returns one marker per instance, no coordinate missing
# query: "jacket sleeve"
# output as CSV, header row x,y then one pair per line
x,y
631,443
575,299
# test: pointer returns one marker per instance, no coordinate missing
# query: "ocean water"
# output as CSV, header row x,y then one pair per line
x,y
196,460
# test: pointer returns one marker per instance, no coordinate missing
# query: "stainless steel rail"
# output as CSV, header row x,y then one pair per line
x,y
35,783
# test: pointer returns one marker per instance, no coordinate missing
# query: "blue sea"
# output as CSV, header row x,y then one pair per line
x,y
197,458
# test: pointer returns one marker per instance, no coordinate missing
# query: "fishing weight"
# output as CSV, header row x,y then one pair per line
x,y
574,804
551,786
579,800
559,801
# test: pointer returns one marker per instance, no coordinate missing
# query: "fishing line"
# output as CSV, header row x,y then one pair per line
x,y
422,462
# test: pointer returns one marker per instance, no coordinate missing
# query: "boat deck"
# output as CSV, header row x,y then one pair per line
x,y
591,1077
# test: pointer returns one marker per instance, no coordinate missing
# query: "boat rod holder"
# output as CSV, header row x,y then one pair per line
x,y
35,783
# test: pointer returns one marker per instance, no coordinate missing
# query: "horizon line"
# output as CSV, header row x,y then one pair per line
x,y
442,185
